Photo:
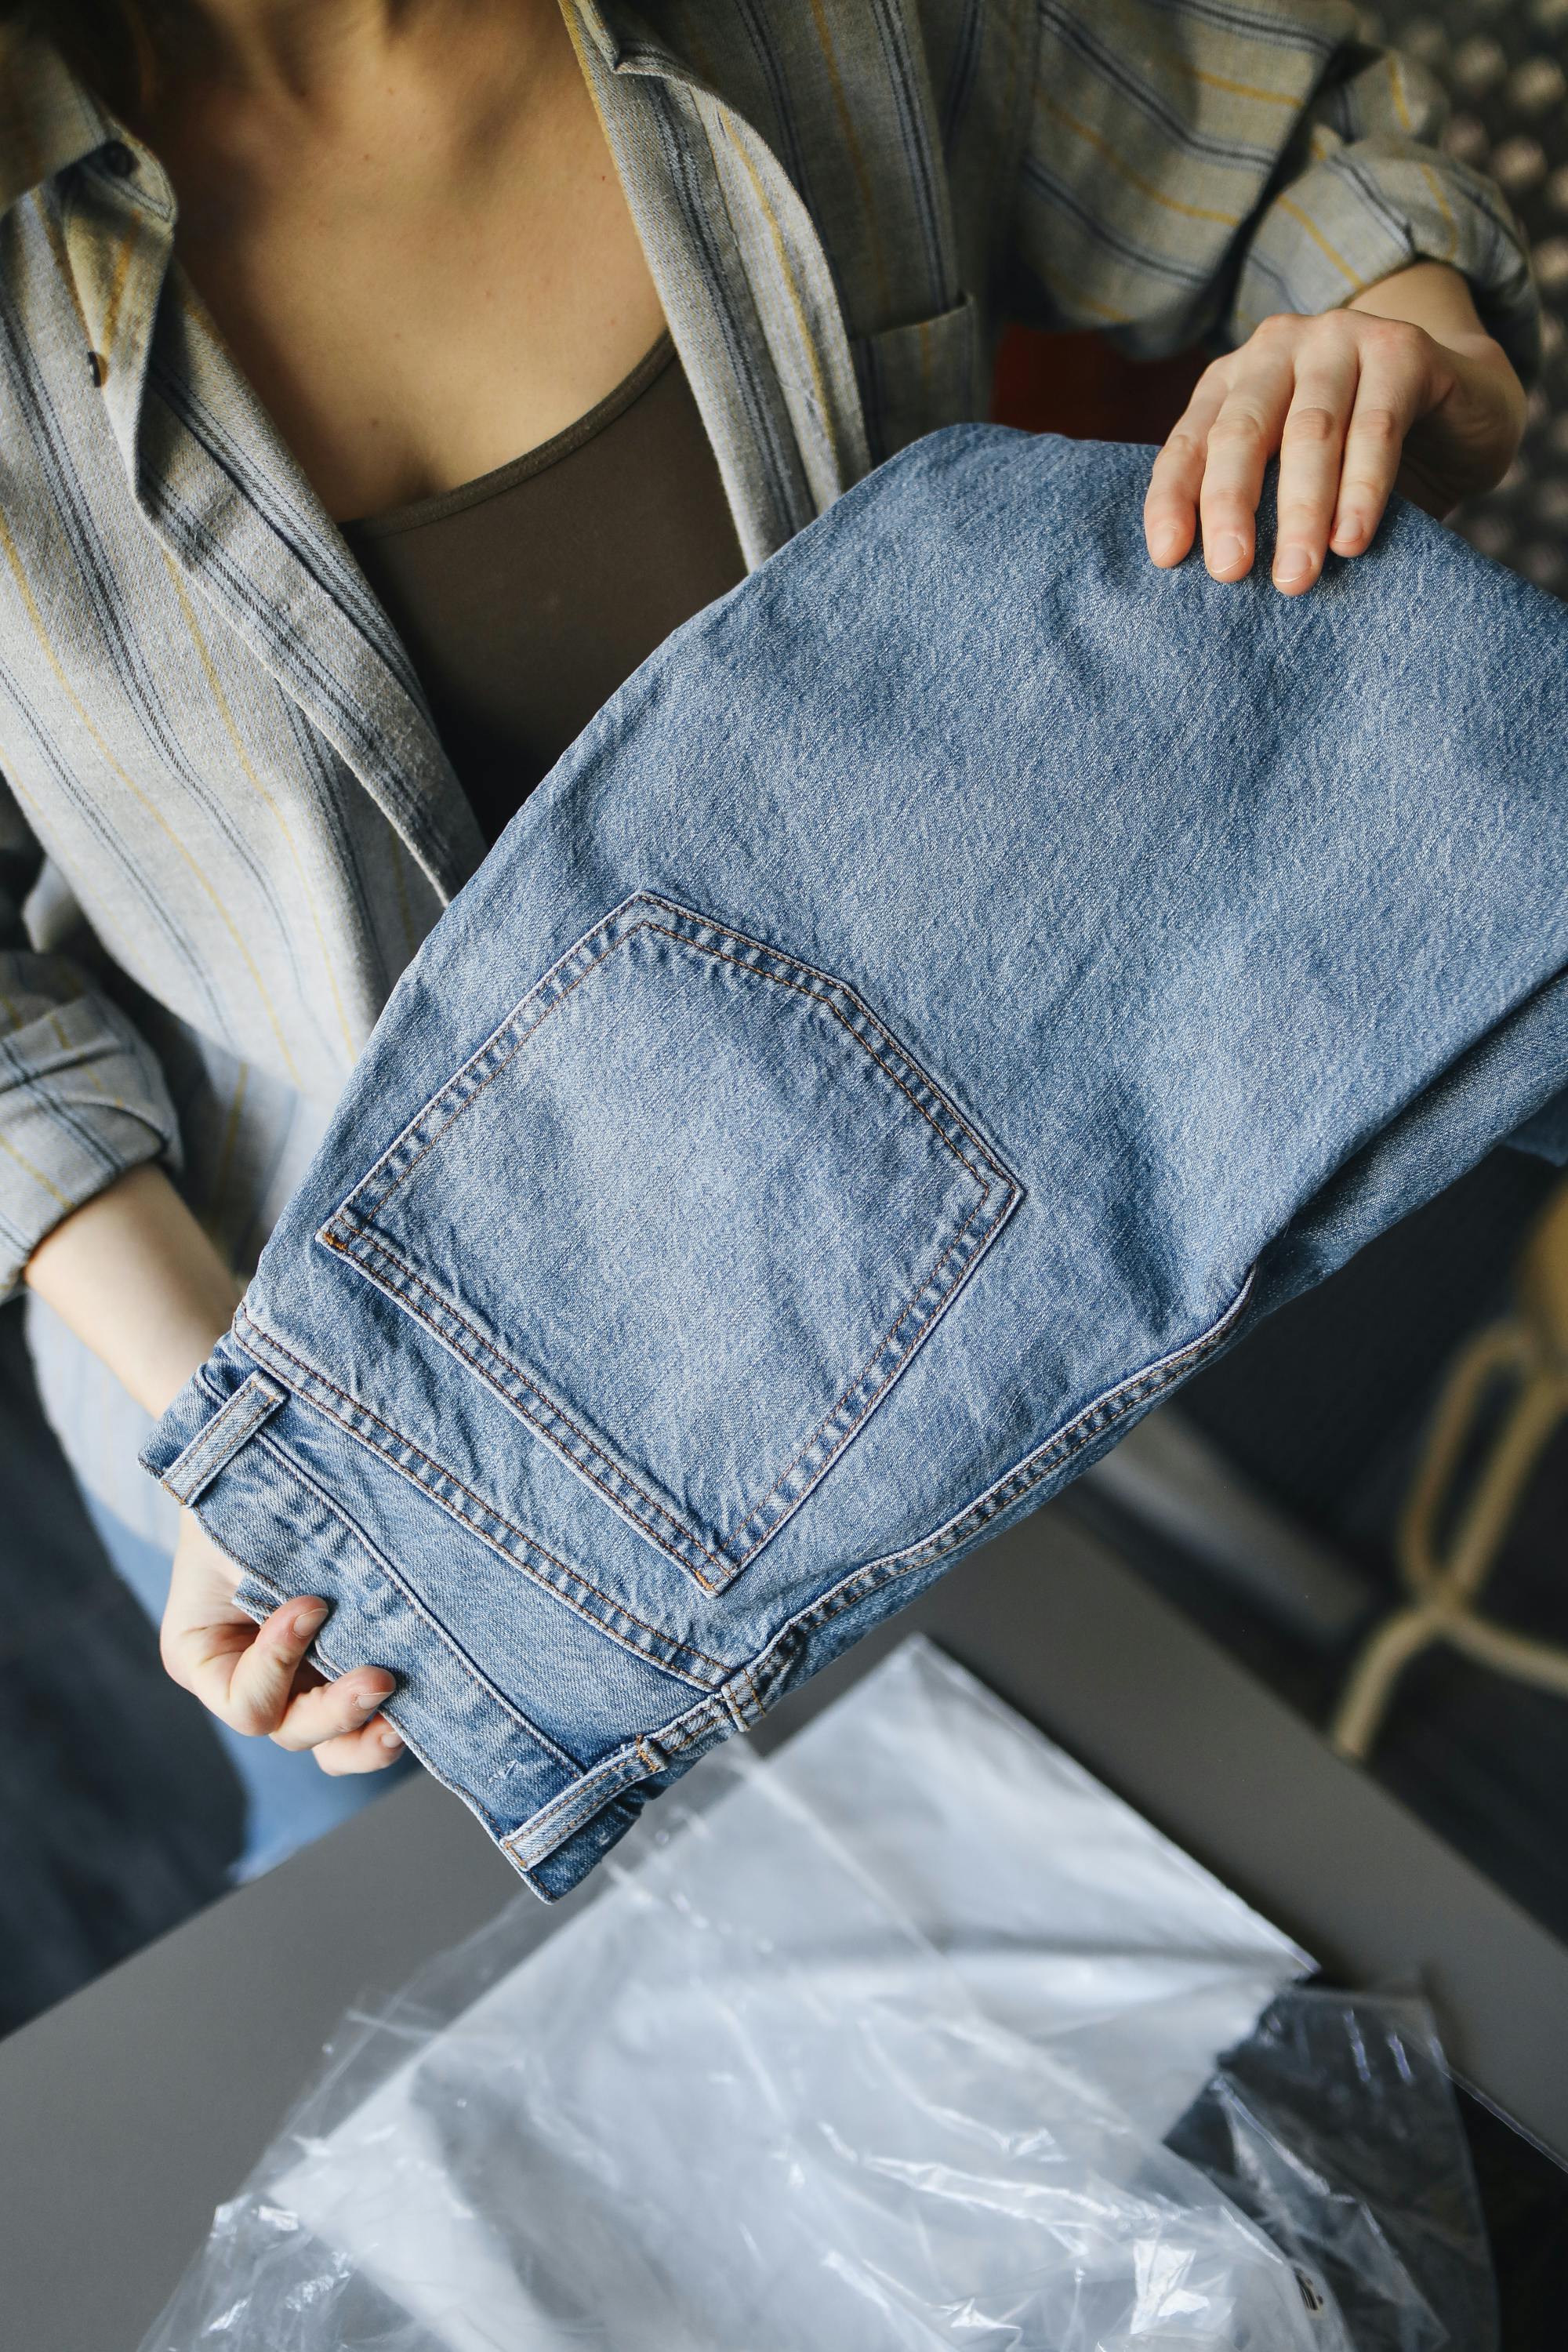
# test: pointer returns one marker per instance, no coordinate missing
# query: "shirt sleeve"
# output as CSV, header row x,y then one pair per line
x,y
1192,165
82,1097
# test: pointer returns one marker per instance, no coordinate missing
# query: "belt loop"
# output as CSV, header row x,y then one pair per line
x,y
235,1423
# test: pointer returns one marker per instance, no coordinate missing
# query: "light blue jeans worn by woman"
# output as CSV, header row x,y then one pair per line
x,y
958,983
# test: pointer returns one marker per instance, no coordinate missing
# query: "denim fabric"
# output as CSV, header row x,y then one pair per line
x,y
962,979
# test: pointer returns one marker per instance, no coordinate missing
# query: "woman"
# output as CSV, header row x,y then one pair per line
x,y
385,378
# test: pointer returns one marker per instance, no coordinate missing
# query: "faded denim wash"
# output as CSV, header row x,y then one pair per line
x,y
959,982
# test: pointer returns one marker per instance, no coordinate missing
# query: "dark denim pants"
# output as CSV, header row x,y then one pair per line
x,y
957,983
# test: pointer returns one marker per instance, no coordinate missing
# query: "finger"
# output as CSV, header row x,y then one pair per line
x,y
1312,451
1388,401
370,1749
243,1673
313,1716
1170,501
1242,439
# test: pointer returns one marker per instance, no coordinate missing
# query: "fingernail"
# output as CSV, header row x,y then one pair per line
x,y
1290,564
1228,552
390,1738
1167,545
310,1619
371,1699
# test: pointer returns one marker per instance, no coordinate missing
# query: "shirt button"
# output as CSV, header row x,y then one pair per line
x,y
118,158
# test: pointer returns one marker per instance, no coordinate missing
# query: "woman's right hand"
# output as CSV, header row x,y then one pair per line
x,y
136,1277
256,1678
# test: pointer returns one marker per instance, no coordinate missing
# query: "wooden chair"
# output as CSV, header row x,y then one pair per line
x,y
1505,1397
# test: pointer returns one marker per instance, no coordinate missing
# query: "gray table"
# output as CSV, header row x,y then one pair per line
x,y
131,2110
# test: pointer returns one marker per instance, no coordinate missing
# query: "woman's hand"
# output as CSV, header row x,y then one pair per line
x,y
134,1275
255,1677
1409,392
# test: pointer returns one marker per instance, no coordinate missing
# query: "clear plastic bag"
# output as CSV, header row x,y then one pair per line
x,y
776,2089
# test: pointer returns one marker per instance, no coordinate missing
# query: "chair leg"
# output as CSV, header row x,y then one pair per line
x,y
1444,1578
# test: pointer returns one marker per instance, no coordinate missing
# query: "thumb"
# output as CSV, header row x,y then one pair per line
x,y
242,1672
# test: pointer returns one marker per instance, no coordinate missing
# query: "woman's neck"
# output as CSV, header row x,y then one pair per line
x,y
308,55
405,224
270,78
296,42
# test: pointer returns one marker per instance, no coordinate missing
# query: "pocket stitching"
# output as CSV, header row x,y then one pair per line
x,y
349,1233
871,1401
625,926
369,1241
815,996
267,1345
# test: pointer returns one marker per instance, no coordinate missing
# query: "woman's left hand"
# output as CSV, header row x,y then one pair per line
x,y
258,1679
1355,405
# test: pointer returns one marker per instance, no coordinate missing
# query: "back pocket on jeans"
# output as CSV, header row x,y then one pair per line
x,y
689,1210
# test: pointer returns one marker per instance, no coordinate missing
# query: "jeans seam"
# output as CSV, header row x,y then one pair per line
x,y
766,1673
412,1601
267,1340
928,1322
772,1663
652,1751
1095,1418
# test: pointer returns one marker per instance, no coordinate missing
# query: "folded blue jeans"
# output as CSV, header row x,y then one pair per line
x,y
959,982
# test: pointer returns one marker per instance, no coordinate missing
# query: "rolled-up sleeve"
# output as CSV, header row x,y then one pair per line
x,y
1192,167
82,1098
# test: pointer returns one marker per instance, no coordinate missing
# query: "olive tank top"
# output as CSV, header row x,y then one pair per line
x,y
525,598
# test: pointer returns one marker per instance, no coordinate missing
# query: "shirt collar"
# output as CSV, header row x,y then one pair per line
x,y
48,119
628,44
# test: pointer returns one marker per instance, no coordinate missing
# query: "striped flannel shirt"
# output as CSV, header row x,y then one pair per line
x,y
226,818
